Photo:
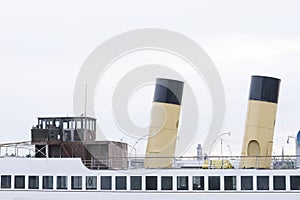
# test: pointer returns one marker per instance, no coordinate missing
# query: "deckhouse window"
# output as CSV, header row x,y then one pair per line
x,y
47,182
105,182
151,182
33,182
246,183
182,182
62,183
166,183
76,182
5,181
198,182
230,182
295,182
214,182
19,182
135,183
91,182
121,183
279,183
262,183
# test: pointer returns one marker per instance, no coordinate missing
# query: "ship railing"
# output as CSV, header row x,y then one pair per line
x,y
207,162
17,149
106,163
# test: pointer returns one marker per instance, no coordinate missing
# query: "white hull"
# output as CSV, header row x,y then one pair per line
x,y
74,167
44,195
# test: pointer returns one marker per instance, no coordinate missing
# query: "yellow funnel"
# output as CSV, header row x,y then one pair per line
x,y
260,122
164,125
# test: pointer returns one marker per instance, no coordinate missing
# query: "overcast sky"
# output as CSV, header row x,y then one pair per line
x,y
43,45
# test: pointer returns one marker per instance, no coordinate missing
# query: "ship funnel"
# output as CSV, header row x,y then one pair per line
x,y
165,114
260,122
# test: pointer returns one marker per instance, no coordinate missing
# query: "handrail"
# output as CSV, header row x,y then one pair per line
x,y
210,162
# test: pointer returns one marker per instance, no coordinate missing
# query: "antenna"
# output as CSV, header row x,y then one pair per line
x,y
85,100
85,103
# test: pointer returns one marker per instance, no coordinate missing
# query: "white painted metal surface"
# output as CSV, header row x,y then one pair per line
x,y
74,167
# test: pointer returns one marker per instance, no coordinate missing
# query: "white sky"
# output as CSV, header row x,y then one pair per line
x,y
44,43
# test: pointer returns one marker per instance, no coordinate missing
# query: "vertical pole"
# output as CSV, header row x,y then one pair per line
x,y
85,103
85,100
221,147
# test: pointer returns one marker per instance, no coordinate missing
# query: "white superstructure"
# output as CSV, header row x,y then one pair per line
x,y
41,178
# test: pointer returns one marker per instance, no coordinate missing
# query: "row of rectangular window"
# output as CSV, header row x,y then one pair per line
x,y
230,183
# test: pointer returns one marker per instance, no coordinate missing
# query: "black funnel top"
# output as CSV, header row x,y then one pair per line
x,y
264,89
168,91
